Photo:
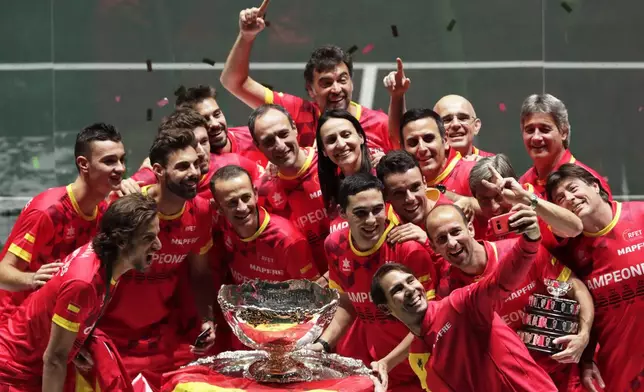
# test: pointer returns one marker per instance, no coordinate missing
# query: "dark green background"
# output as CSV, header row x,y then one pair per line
x,y
41,111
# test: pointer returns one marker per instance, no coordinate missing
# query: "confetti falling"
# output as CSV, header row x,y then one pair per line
x,y
161,103
566,6
368,48
208,61
502,107
352,49
35,162
394,30
117,98
640,108
148,63
148,114
451,25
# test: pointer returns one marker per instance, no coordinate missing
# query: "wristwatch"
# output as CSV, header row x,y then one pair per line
x,y
534,200
441,188
325,345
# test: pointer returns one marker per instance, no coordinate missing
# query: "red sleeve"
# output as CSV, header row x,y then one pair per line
x,y
75,300
291,103
30,235
145,176
333,267
251,167
203,216
484,297
299,257
304,114
420,261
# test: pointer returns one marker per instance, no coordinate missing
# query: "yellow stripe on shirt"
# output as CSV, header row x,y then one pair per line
x,y
19,252
30,238
73,308
334,285
430,295
206,247
564,275
66,324
307,267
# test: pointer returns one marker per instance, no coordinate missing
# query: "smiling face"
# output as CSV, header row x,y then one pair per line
x,y
406,297
332,89
542,139
277,139
217,126
203,149
236,199
451,237
105,165
366,216
181,174
577,196
422,140
406,193
342,144
461,123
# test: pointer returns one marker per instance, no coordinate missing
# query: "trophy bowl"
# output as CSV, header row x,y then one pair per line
x,y
278,318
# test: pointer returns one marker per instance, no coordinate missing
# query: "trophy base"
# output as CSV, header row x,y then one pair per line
x,y
279,370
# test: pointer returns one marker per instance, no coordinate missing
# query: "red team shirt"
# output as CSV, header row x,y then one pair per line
x,y
545,266
144,299
241,143
146,176
306,115
465,346
50,227
374,333
539,186
456,175
73,300
611,264
481,153
276,252
299,199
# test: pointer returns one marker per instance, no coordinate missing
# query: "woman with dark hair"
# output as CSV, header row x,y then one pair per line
x,y
342,151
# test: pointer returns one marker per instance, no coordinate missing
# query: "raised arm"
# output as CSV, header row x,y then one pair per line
x,y
397,85
235,77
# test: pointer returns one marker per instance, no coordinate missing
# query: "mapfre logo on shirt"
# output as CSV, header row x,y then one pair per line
x,y
632,234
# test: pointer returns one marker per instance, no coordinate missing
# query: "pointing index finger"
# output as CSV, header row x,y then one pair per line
x,y
262,8
399,65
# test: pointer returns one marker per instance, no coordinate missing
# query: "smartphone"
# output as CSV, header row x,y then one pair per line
x,y
501,224
201,339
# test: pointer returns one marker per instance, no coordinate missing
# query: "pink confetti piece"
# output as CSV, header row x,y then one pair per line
x,y
117,98
502,107
640,109
162,102
367,48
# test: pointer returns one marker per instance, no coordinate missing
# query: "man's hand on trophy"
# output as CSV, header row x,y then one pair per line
x,y
575,346
205,340
381,370
590,376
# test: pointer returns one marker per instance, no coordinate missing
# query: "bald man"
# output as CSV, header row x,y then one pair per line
x,y
461,124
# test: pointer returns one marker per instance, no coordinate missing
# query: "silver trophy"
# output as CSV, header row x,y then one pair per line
x,y
278,320
549,317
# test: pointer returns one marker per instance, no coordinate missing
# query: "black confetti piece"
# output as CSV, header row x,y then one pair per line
x,y
352,49
148,114
566,6
451,25
394,30
180,91
267,23
149,64
208,61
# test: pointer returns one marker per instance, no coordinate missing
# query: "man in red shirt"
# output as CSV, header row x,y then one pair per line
x,y
546,136
151,318
59,220
258,245
464,328
354,254
608,258
208,162
294,192
236,140
50,327
327,80
460,133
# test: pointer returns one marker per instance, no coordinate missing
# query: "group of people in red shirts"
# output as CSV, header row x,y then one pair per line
x,y
107,279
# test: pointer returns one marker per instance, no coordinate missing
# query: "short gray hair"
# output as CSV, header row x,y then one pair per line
x,y
549,104
481,171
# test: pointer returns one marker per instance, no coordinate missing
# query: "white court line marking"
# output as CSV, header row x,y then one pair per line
x,y
300,66
368,86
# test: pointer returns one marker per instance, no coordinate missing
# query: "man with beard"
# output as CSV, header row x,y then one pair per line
x,y
150,319
546,136
354,255
223,140
457,113
208,162
294,193
59,220
327,80
608,258
51,326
